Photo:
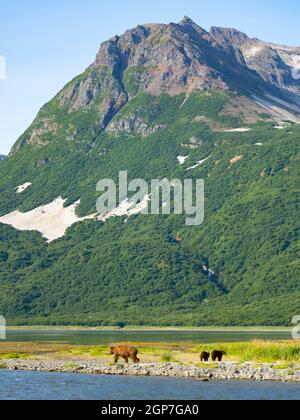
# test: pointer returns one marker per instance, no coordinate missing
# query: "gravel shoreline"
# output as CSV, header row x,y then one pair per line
x,y
224,371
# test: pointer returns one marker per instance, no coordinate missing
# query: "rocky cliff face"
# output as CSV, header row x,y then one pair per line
x,y
163,58
179,58
276,64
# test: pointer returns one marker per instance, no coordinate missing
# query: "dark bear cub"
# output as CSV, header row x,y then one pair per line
x,y
218,355
205,356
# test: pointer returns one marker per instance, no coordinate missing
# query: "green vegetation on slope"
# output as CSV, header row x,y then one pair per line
x,y
133,273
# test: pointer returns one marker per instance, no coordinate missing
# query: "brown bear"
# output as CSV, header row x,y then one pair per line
x,y
126,352
204,356
218,355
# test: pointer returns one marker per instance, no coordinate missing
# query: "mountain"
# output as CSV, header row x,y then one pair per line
x,y
161,101
2,157
174,59
276,64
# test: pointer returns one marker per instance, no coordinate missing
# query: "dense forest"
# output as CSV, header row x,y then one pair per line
x,y
135,271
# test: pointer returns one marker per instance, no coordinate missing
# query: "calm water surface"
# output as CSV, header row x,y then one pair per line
x,y
107,337
59,386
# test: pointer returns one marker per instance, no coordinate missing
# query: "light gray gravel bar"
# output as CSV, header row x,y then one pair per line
x,y
224,371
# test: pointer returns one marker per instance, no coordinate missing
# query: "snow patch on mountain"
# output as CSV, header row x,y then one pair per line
x,y
52,220
292,60
126,208
296,67
281,126
21,188
253,51
182,159
199,163
236,130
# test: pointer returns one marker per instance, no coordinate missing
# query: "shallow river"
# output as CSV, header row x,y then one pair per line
x,y
107,337
60,386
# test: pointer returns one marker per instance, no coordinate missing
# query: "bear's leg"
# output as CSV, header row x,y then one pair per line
x,y
116,358
126,360
134,358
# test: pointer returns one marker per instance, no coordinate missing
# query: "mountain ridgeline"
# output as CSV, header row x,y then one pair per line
x,y
160,101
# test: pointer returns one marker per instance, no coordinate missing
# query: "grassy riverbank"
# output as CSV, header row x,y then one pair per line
x,y
256,360
254,351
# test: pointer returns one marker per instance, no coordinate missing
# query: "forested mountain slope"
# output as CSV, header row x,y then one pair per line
x,y
160,101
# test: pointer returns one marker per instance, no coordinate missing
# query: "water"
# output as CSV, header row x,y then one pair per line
x,y
60,386
107,337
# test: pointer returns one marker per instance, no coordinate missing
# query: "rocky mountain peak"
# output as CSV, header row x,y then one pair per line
x,y
171,58
168,58
181,57
186,21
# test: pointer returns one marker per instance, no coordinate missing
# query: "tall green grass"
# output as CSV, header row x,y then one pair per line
x,y
167,357
98,351
257,351
8,356
253,351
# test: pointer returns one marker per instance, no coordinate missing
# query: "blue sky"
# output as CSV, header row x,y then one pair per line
x,y
47,42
